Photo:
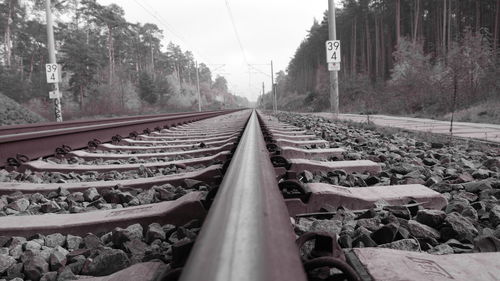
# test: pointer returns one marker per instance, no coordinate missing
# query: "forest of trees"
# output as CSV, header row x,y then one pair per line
x,y
400,57
110,66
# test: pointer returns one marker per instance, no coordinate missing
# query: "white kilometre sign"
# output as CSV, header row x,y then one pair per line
x,y
333,66
333,51
52,72
55,95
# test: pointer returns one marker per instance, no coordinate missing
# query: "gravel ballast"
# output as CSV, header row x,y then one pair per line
x,y
70,257
63,202
466,173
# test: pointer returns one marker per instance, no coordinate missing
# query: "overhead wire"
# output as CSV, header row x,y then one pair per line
x,y
258,70
169,28
240,44
236,31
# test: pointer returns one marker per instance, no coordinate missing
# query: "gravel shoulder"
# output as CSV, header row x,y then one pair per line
x,y
481,131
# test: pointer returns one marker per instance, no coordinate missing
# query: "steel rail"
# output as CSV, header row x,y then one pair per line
x,y
42,143
24,128
247,234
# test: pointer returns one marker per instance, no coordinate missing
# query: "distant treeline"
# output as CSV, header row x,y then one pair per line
x,y
110,66
400,56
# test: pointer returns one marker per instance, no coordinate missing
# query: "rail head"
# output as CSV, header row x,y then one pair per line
x,y
34,127
100,125
247,234
43,142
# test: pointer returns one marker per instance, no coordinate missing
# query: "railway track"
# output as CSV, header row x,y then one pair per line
x,y
17,141
232,196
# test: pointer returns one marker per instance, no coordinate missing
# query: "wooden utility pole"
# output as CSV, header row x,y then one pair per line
x,y
52,57
334,75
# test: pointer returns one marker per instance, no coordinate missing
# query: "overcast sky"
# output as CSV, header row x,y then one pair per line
x,y
268,29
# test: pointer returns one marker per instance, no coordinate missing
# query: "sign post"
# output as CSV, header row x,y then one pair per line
x,y
333,59
52,69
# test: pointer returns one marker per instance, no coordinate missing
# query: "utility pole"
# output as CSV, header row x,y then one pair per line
x,y
334,75
273,93
198,85
52,58
262,103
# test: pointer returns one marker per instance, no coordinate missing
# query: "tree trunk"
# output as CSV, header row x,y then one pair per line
x,y
7,40
478,16
82,94
362,52
436,28
389,51
122,96
32,62
440,46
497,23
178,74
354,51
377,50
368,47
398,21
138,57
449,26
343,68
453,102
415,24
444,27
77,16
111,54
382,49
152,62
21,67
